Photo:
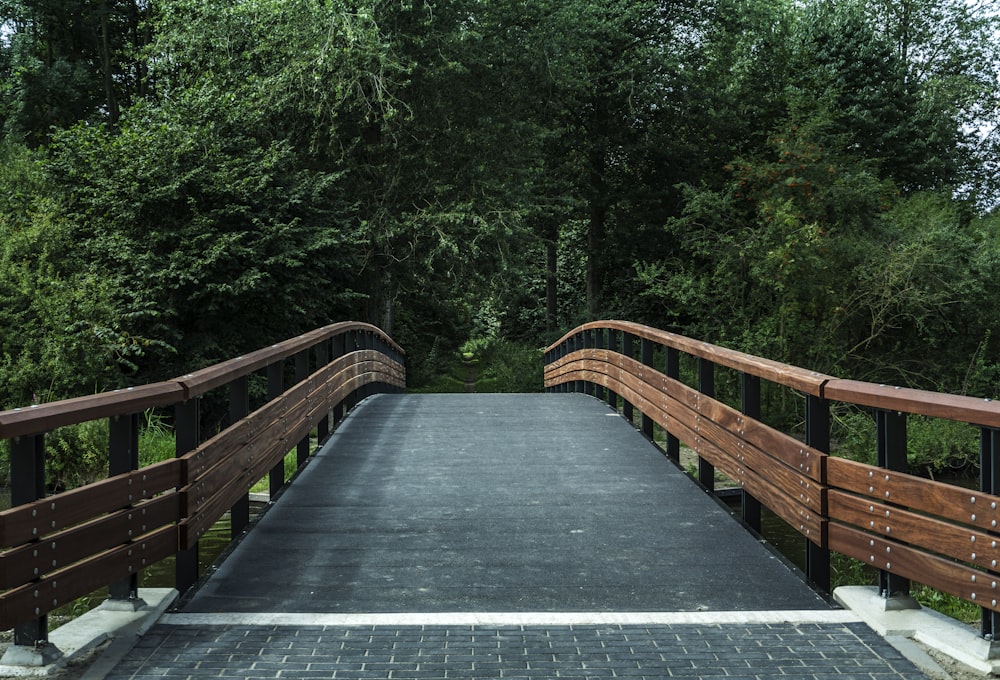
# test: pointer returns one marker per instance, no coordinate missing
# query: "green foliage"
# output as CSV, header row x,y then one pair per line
x,y
508,366
934,446
76,455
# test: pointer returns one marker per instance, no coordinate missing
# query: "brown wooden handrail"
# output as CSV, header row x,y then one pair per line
x,y
45,417
56,548
907,527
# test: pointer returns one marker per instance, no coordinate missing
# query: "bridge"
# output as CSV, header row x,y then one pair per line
x,y
496,535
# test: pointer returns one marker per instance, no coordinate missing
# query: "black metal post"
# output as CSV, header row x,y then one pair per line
x,y
614,345
301,373
601,342
578,344
123,457
706,385
646,349
891,427
818,437
239,407
989,482
187,425
322,359
673,370
275,387
628,349
27,484
589,340
750,400
339,350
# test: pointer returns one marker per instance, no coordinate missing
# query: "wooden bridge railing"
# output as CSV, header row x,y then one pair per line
x,y
60,547
907,527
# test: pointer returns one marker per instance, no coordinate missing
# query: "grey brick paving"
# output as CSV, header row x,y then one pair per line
x,y
826,651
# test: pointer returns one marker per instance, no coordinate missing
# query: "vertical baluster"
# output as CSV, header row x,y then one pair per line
x,y
891,427
604,339
614,345
353,344
187,417
27,484
578,344
818,437
672,369
706,385
275,388
123,457
339,350
239,407
628,349
646,350
989,482
322,359
750,402
301,373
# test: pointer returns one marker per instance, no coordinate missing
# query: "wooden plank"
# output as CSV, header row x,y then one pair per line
x,y
957,579
42,596
55,513
935,404
202,381
796,498
923,495
803,380
32,420
33,560
204,502
957,542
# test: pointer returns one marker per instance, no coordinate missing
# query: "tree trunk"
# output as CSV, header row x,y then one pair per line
x,y
551,276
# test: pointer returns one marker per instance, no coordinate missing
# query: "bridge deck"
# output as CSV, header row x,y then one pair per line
x,y
533,535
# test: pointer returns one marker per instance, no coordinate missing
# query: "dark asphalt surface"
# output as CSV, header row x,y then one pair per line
x,y
445,505
430,503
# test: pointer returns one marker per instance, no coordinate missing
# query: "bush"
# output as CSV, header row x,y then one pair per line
x,y
934,446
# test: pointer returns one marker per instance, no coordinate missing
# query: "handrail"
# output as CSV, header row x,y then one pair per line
x,y
905,526
31,420
809,382
56,548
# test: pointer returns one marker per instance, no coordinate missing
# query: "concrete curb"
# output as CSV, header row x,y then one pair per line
x,y
109,621
925,626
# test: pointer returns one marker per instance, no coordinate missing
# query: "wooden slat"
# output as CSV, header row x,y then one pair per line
x,y
54,513
960,580
33,560
935,404
40,597
934,535
936,498
46,417
202,381
809,382
205,501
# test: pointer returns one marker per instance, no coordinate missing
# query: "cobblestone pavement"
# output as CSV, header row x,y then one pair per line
x,y
791,651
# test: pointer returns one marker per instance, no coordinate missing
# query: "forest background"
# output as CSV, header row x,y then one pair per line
x,y
812,181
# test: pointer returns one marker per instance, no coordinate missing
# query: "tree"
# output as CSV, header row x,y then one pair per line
x,y
69,60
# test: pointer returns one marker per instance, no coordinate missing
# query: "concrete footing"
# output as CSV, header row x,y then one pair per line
x,y
931,629
109,621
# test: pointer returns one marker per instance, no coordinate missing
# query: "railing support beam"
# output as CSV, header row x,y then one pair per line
x,y
818,437
275,386
123,456
706,385
239,407
672,369
628,349
891,427
27,484
187,424
989,482
646,349
750,401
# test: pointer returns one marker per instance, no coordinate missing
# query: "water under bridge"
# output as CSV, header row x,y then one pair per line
x,y
533,536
